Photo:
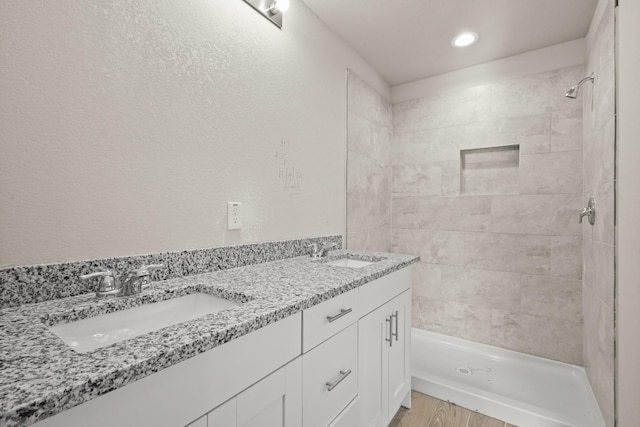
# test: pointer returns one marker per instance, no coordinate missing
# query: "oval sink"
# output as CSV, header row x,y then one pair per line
x,y
101,331
350,263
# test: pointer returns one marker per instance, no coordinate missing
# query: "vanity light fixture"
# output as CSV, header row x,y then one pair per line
x,y
279,6
270,9
464,39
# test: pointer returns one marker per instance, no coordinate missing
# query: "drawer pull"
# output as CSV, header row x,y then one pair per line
x,y
396,332
343,312
390,339
343,375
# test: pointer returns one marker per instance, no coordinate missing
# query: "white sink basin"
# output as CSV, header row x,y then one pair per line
x,y
100,331
350,263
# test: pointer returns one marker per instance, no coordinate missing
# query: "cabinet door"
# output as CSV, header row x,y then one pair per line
x,y
223,416
399,351
200,422
373,331
274,401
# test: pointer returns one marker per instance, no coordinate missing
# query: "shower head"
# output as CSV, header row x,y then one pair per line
x,y
573,92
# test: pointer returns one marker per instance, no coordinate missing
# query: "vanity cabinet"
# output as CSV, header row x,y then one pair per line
x,y
384,360
188,391
345,361
365,353
275,401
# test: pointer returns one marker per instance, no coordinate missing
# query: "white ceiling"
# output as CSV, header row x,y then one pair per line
x,y
407,40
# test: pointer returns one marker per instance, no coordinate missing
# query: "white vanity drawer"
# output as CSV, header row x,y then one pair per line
x,y
326,319
330,378
380,291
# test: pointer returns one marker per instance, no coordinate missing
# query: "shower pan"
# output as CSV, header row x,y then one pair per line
x,y
518,388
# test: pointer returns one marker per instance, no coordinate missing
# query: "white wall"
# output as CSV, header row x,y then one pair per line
x,y
125,127
627,223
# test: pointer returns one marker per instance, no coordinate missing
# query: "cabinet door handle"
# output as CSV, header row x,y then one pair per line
x,y
396,328
343,312
390,339
343,375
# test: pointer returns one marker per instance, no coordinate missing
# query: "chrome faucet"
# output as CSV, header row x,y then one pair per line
x,y
321,251
130,283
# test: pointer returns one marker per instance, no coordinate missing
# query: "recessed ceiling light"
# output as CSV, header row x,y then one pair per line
x,y
464,39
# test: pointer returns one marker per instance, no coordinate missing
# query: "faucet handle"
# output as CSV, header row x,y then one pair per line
x,y
315,250
144,272
326,246
101,274
589,212
106,282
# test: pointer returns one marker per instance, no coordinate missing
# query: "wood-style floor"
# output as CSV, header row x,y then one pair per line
x,y
427,411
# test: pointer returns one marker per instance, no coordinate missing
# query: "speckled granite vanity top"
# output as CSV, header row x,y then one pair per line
x,y
40,376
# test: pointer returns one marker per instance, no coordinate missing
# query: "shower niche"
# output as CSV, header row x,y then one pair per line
x,y
492,170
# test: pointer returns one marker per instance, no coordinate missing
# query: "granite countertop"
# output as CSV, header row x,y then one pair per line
x,y
41,376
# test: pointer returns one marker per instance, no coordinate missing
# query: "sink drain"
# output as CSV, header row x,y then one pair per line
x,y
464,371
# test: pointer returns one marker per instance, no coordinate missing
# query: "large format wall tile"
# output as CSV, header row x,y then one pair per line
x,y
566,257
566,129
422,180
556,339
599,351
552,173
449,109
452,318
551,297
520,253
531,133
369,181
599,174
434,213
520,97
434,247
364,101
547,214
483,288
367,211
599,156
605,213
427,280
378,240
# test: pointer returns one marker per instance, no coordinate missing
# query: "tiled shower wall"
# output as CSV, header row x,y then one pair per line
x,y
599,174
369,137
502,262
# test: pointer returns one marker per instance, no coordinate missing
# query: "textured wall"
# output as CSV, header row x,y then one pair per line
x,y
501,269
369,138
627,306
126,126
599,175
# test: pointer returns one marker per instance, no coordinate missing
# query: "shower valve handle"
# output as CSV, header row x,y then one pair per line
x,y
589,212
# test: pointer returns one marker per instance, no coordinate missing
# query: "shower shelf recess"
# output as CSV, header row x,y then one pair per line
x,y
491,170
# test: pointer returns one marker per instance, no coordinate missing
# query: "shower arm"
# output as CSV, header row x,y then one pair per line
x,y
584,80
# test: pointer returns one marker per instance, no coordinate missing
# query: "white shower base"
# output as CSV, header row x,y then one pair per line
x,y
524,390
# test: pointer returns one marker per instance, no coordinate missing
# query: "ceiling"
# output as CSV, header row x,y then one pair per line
x,y
407,40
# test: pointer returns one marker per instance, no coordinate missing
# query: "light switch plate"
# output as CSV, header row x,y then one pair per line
x,y
234,220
